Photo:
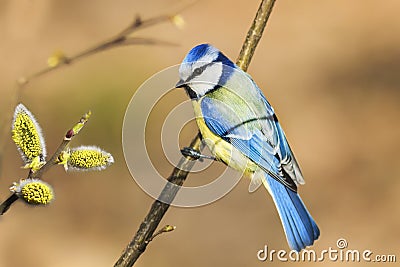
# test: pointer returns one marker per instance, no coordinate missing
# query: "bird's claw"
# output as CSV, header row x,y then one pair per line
x,y
195,154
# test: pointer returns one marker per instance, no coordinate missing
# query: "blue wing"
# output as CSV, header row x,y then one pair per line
x,y
258,136
288,160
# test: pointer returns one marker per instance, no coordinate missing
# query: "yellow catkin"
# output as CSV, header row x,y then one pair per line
x,y
33,191
89,158
26,134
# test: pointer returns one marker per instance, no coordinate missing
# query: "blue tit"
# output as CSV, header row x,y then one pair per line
x,y
240,128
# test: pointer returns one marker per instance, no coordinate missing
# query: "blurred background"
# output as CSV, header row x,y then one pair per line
x,y
330,69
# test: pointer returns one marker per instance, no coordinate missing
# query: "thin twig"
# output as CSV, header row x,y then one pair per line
x,y
7,203
121,39
254,34
165,229
51,162
150,223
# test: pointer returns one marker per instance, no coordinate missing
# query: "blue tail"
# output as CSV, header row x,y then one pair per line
x,y
300,228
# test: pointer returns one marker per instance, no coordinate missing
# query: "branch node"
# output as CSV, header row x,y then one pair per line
x,y
137,21
167,228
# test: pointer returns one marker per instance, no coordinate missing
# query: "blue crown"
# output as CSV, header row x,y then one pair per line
x,y
201,50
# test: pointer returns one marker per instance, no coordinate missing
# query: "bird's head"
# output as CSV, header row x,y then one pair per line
x,y
204,69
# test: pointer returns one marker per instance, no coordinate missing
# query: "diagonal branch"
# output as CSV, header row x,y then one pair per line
x,y
121,39
143,236
254,34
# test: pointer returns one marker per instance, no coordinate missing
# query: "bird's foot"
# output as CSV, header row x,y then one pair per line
x,y
195,154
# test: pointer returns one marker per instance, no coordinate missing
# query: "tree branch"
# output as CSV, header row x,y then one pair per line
x,y
121,39
254,34
150,223
145,232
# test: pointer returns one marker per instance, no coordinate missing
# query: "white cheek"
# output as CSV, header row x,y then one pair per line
x,y
201,88
208,79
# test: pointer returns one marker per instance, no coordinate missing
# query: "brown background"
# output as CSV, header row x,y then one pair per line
x,y
330,68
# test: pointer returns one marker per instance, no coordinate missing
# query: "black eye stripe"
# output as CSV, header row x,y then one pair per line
x,y
198,71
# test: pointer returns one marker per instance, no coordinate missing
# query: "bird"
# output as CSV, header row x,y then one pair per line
x,y
241,129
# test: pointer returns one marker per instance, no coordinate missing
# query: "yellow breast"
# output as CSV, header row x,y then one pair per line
x,y
221,149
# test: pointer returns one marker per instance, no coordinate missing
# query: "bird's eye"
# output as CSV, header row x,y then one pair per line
x,y
198,71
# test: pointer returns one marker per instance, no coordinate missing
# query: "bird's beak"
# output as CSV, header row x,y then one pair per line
x,y
180,84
